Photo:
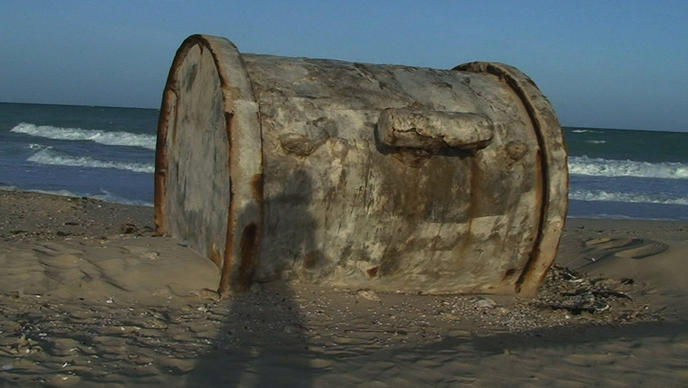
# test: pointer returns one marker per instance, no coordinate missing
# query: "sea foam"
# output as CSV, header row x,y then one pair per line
x,y
583,165
50,157
115,138
610,196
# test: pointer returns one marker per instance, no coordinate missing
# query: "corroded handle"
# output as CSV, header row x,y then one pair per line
x,y
434,130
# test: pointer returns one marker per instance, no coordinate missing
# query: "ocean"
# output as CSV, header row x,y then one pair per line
x,y
108,153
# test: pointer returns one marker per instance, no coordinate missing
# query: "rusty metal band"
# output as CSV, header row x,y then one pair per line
x,y
554,169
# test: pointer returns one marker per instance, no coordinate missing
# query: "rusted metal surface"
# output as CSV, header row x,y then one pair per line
x,y
379,176
553,167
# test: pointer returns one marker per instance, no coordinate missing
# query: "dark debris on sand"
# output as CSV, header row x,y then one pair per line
x,y
607,299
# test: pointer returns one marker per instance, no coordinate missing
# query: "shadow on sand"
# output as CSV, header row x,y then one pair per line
x,y
263,341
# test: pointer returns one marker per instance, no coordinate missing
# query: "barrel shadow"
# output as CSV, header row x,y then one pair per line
x,y
263,340
262,343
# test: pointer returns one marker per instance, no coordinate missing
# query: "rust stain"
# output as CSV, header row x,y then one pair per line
x,y
231,213
250,235
240,277
248,247
508,275
161,160
229,116
537,266
531,277
257,187
229,249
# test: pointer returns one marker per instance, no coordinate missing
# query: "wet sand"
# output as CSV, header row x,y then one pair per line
x,y
90,296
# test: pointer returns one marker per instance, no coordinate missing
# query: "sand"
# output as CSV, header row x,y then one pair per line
x,y
90,296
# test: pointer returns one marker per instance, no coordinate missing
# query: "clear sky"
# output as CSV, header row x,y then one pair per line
x,y
613,64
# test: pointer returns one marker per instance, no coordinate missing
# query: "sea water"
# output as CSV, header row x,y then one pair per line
x,y
98,152
108,153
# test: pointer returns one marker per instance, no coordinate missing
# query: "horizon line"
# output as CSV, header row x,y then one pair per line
x,y
158,109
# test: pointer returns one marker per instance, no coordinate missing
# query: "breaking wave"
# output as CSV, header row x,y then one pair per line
x,y
583,165
610,196
50,157
116,138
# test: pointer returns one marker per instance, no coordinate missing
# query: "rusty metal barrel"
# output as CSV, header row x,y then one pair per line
x,y
358,175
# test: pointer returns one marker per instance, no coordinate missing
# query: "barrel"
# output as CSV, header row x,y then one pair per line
x,y
355,175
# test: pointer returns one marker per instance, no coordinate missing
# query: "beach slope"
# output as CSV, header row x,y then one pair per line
x,y
89,295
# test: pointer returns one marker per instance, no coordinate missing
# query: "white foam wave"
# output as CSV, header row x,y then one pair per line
x,y
34,146
50,157
610,196
596,141
118,138
584,131
583,165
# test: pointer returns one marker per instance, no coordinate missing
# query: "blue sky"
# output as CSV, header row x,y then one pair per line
x,y
614,64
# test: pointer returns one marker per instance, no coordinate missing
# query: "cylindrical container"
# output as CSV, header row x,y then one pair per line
x,y
356,175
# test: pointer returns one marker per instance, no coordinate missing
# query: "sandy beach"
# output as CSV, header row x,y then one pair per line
x,y
90,296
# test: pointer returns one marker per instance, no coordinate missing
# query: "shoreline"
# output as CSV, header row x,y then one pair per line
x,y
92,296
140,203
69,194
137,203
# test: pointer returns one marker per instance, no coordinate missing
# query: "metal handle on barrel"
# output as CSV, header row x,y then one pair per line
x,y
434,130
